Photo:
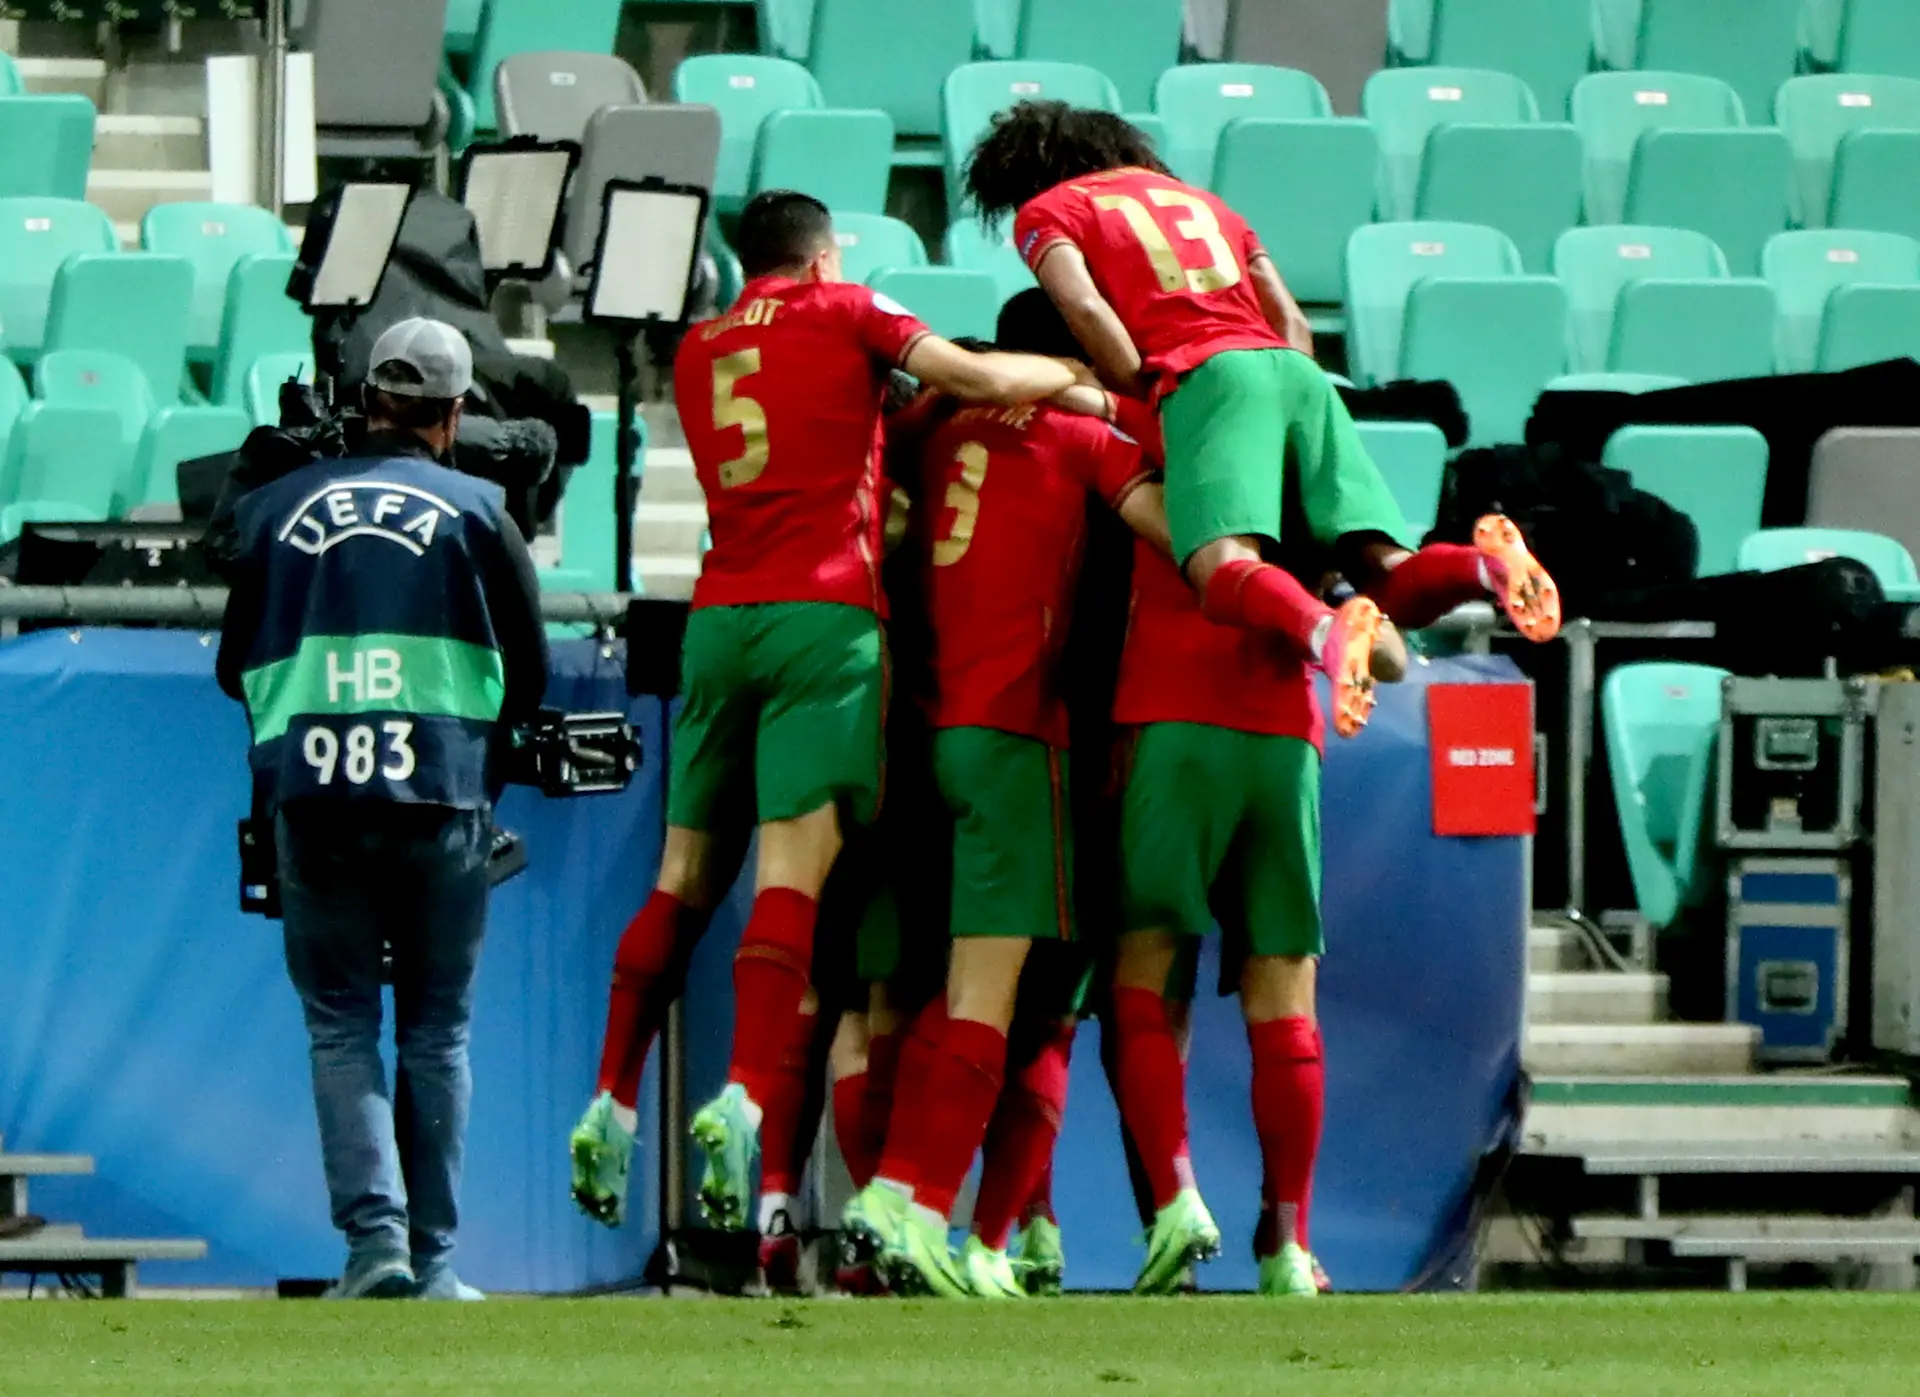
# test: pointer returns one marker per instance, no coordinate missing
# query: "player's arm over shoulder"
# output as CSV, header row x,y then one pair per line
x,y
992,377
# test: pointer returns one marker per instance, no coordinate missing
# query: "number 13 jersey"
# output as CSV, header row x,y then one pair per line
x,y
1170,259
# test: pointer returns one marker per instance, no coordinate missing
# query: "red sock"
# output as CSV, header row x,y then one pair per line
x,y
1153,1090
1289,1103
883,1070
647,971
770,973
849,1112
1040,1201
1020,1137
914,1060
1262,597
941,1116
783,1157
1429,584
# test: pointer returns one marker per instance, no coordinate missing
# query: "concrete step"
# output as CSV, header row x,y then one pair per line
x,y
1703,1233
1777,1108
1551,948
671,529
668,478
86,76
149,143
40,1166
1687,1049
1596,997
1691,1156
662,575
126,195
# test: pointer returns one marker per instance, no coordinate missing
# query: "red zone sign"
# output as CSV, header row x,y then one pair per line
x,y
1481,741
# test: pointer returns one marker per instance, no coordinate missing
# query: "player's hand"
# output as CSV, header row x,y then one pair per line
x,y
1084,376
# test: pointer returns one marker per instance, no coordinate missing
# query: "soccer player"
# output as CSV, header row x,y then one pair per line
x,y
1005,495
1176,300
784,661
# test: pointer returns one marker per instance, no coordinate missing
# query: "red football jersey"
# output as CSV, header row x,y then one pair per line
x,y
1180,667
1002,523
1170,259
781,400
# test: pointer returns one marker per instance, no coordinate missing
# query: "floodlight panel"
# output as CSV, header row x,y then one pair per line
x,y
514,197
646,255
364,232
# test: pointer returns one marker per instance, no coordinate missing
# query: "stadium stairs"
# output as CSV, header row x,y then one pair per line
x,y
1655,1154
53,1249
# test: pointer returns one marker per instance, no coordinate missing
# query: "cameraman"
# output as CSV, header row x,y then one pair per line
x,y
383,632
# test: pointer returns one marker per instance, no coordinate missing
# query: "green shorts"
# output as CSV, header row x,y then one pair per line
x,y
1242,418
1223,826
781,710
1012,839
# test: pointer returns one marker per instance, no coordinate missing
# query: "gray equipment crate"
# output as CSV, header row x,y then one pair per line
x,y
1896,872
1792,759
1788,934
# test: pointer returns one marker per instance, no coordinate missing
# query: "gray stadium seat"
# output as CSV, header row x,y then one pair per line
x,y
552,95
376,67
680,145
1867,478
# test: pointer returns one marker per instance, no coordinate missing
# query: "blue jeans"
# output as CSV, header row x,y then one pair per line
x,y
414,878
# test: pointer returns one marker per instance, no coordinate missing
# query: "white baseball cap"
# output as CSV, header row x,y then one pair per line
x,y
422,358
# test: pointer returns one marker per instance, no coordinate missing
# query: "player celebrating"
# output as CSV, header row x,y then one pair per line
x,y
1175,299
1005,507
784,666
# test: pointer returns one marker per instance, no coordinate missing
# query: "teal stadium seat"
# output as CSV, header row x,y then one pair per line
x,y
63,463
1198,101
1770,550
1385,260
952,302
259,319
1716,476
177,434
1819,112
1409,32
1705,330
1133,43
508,27
36,236
46,146
1820,34
1498,340
996,28
1406,104
975,249
1412,457
261,398
133,303
586,521
1336,158
1598,263
975,92
843,159
214,237
464,18
867,53
1613,110
98,379
11,84
13,400
1734,186
785,27
1616,33
1150,126
872,242
1879,36
1547,44
1661,723
1806,268
1876,183
746,89
1523,179
1753,44
1865,324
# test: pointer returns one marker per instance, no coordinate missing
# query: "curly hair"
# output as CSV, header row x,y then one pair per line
x,y
1033,146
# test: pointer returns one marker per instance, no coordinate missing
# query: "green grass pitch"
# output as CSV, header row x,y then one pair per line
x,y
1589,1345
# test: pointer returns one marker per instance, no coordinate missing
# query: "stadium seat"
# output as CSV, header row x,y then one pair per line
x,y
10,83
463,24
865,56
1820,34
843,159
1406,104
13,400
785,27
1876,182
1892,565
1544,43
1868,324
1704,330
1614,383
98,379
1409,32
1805,268
1734,186
1616,33
1412,457
1716,476
1150,126
1385,260
64,463
46,146
873,242
1336,158
975,249
974,92
1753,44
1498,340
259,319
529,26
1817,113
132,303
376,79
996,28
746,89
1199,101
1613,110
1133,44
177,434
677,144
261,399
1523,179
214,237
552,94
1661,723
1879,36
952,302
1596,263
36,236
1867,478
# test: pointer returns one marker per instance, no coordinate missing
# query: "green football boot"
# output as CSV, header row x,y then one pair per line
x,y
1183,1234
602,1151
1043,1260
920,1261
988,1273
721,1128
870,1225
1292,1272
